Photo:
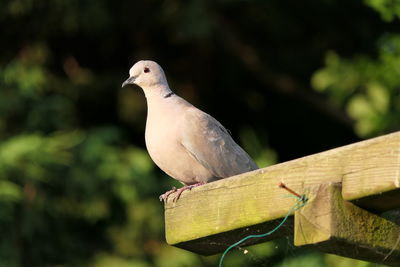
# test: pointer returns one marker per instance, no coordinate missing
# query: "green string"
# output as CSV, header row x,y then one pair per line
x,y
299,204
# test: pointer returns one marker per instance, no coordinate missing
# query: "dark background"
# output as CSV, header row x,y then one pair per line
x,y
287,78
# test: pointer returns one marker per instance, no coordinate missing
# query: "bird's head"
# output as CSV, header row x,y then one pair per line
x,y
146,74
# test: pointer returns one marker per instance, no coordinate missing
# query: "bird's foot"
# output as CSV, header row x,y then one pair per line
x,y
186,187
164,197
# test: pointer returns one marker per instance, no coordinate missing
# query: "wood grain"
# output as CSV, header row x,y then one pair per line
x,y
368,170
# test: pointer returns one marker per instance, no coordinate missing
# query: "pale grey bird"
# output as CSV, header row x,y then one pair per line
x,y
185,142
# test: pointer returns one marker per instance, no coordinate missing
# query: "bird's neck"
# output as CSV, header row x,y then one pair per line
x,y
163,109
158,92
159,99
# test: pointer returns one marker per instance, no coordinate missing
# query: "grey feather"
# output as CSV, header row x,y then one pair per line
x,y
211,144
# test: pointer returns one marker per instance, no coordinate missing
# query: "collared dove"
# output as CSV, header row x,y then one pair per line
x,y
185,142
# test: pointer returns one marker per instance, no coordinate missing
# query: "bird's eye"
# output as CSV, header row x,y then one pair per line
x,y
146,70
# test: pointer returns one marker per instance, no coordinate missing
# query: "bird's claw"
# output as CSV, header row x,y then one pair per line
x,y
164,197
184,188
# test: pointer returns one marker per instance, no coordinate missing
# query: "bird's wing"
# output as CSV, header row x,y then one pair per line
x,y
211,145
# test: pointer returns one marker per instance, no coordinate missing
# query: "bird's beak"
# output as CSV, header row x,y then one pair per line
x,y
130,80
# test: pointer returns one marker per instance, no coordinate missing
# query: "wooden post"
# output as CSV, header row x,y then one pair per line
x,y
209,218
332,225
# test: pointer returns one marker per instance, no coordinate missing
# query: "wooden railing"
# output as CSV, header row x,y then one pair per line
x,y
347,190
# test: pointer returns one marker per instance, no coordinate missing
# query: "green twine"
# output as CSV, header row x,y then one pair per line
x,y
299,204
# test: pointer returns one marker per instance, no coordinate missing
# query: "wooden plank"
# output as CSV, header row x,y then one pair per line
x,y
252,199
210,245
371,171
332,225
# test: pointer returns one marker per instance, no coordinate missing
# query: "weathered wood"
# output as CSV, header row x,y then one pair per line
x,y
210,245
216,212
332,225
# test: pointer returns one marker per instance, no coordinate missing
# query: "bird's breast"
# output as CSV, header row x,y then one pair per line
x,y
168,153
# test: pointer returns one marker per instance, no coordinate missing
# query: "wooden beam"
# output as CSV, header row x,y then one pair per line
x,y
217,214
332,225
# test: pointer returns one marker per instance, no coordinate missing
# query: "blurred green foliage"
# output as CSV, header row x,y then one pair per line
x,y
368,87
388,9
77,187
